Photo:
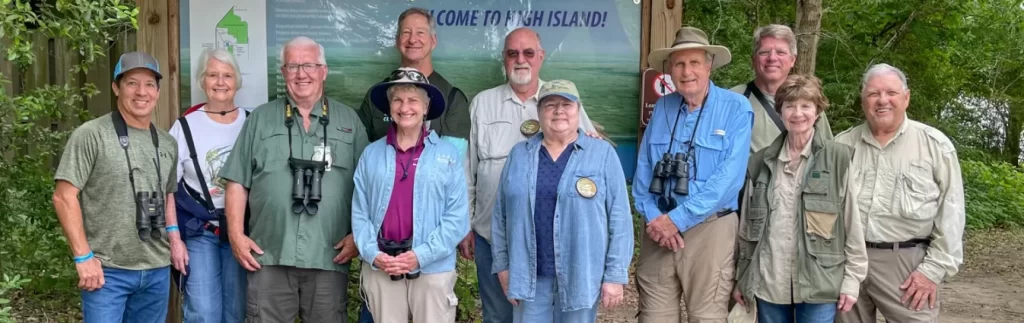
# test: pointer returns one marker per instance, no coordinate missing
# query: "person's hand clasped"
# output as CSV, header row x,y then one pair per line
x,y
665,233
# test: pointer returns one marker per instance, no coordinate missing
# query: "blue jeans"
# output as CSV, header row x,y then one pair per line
x,y
215,289
545,307
496,308
802,312
129,296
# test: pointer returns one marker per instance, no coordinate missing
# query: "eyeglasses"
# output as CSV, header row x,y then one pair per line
x,y
415,76
513,53
767,52
308,68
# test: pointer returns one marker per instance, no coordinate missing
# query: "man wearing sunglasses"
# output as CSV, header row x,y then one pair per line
x,y
415,40
501,117
294,162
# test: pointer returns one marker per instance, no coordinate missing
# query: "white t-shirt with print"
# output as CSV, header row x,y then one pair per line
x,y
213,142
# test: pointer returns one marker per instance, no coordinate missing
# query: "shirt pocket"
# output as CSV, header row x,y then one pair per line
x,y
917,193
821,211
273,151
495,139
587,185
757,214
709,150
342,148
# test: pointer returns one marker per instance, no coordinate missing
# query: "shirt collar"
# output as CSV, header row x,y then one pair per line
x,y
317,107
392,137
581,140
510,95
805,153
869,138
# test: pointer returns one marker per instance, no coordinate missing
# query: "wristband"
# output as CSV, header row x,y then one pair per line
x,y
172,228
83,258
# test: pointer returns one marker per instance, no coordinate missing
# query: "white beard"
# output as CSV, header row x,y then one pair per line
x,y
520,78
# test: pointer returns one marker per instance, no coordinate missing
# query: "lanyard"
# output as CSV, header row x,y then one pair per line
x,y
121,128
289,121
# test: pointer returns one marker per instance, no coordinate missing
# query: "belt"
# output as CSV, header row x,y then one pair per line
x,y
912,243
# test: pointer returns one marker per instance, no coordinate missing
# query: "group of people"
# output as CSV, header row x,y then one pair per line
x,y
258,215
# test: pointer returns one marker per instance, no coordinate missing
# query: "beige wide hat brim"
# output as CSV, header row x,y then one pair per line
x,y
657,58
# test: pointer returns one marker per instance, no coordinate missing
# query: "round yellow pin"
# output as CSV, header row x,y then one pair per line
x,y
586,187
529,127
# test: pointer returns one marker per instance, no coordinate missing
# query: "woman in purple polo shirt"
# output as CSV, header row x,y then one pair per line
x,y
409,208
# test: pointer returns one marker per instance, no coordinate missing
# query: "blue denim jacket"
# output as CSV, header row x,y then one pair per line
x,y
440,202
722,147
593,236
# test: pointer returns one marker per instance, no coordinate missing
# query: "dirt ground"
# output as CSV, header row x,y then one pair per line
x,y
988,289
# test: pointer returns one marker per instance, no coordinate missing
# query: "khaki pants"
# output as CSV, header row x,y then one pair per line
x,y
887,270
279,293
700,275
430,298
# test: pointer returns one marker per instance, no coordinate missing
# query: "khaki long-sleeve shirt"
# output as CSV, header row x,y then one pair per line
x,y
911,188
779,258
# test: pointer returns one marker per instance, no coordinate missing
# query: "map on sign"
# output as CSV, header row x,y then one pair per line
x,y
240,27
663,85
233,34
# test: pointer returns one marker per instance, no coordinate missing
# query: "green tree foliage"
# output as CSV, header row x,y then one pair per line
x,y
962,59
31,242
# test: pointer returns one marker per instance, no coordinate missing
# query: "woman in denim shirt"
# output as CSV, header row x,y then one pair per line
x,y
562,234
409,208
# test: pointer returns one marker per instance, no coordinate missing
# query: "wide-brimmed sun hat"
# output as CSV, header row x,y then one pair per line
x,y
407,75
689,38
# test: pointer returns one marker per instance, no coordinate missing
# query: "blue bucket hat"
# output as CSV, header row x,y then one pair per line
x,y
407,75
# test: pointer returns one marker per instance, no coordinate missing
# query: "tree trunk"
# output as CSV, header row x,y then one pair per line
x,y
1014,127
808,25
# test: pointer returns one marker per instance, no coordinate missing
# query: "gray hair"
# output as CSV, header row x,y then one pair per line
x,y
298,42
407,87
416,11
883,68
782,32
221,55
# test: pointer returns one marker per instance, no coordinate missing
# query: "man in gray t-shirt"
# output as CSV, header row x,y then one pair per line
x,y
122,262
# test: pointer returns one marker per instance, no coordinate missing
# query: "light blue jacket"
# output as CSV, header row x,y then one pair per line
x,y
440,202
593,236
722,147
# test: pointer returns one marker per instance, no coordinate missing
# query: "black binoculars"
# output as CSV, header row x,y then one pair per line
x,y
677,168
307,176
395,248
149,215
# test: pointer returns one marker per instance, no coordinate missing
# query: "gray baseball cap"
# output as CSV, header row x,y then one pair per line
x,y
133,60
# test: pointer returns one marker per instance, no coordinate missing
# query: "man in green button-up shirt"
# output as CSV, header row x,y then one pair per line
x,y
296,259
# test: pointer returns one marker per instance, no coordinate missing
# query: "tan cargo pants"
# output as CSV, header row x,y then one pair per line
x,y
430,298
700,275
887,270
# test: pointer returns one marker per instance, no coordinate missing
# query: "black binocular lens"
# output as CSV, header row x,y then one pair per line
x,y
307,177
149,215
667,168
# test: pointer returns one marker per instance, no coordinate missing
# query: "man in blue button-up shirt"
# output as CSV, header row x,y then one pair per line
x,y
706,132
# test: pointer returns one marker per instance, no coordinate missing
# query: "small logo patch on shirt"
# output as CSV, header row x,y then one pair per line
x,y
445,159
720,132
346,130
